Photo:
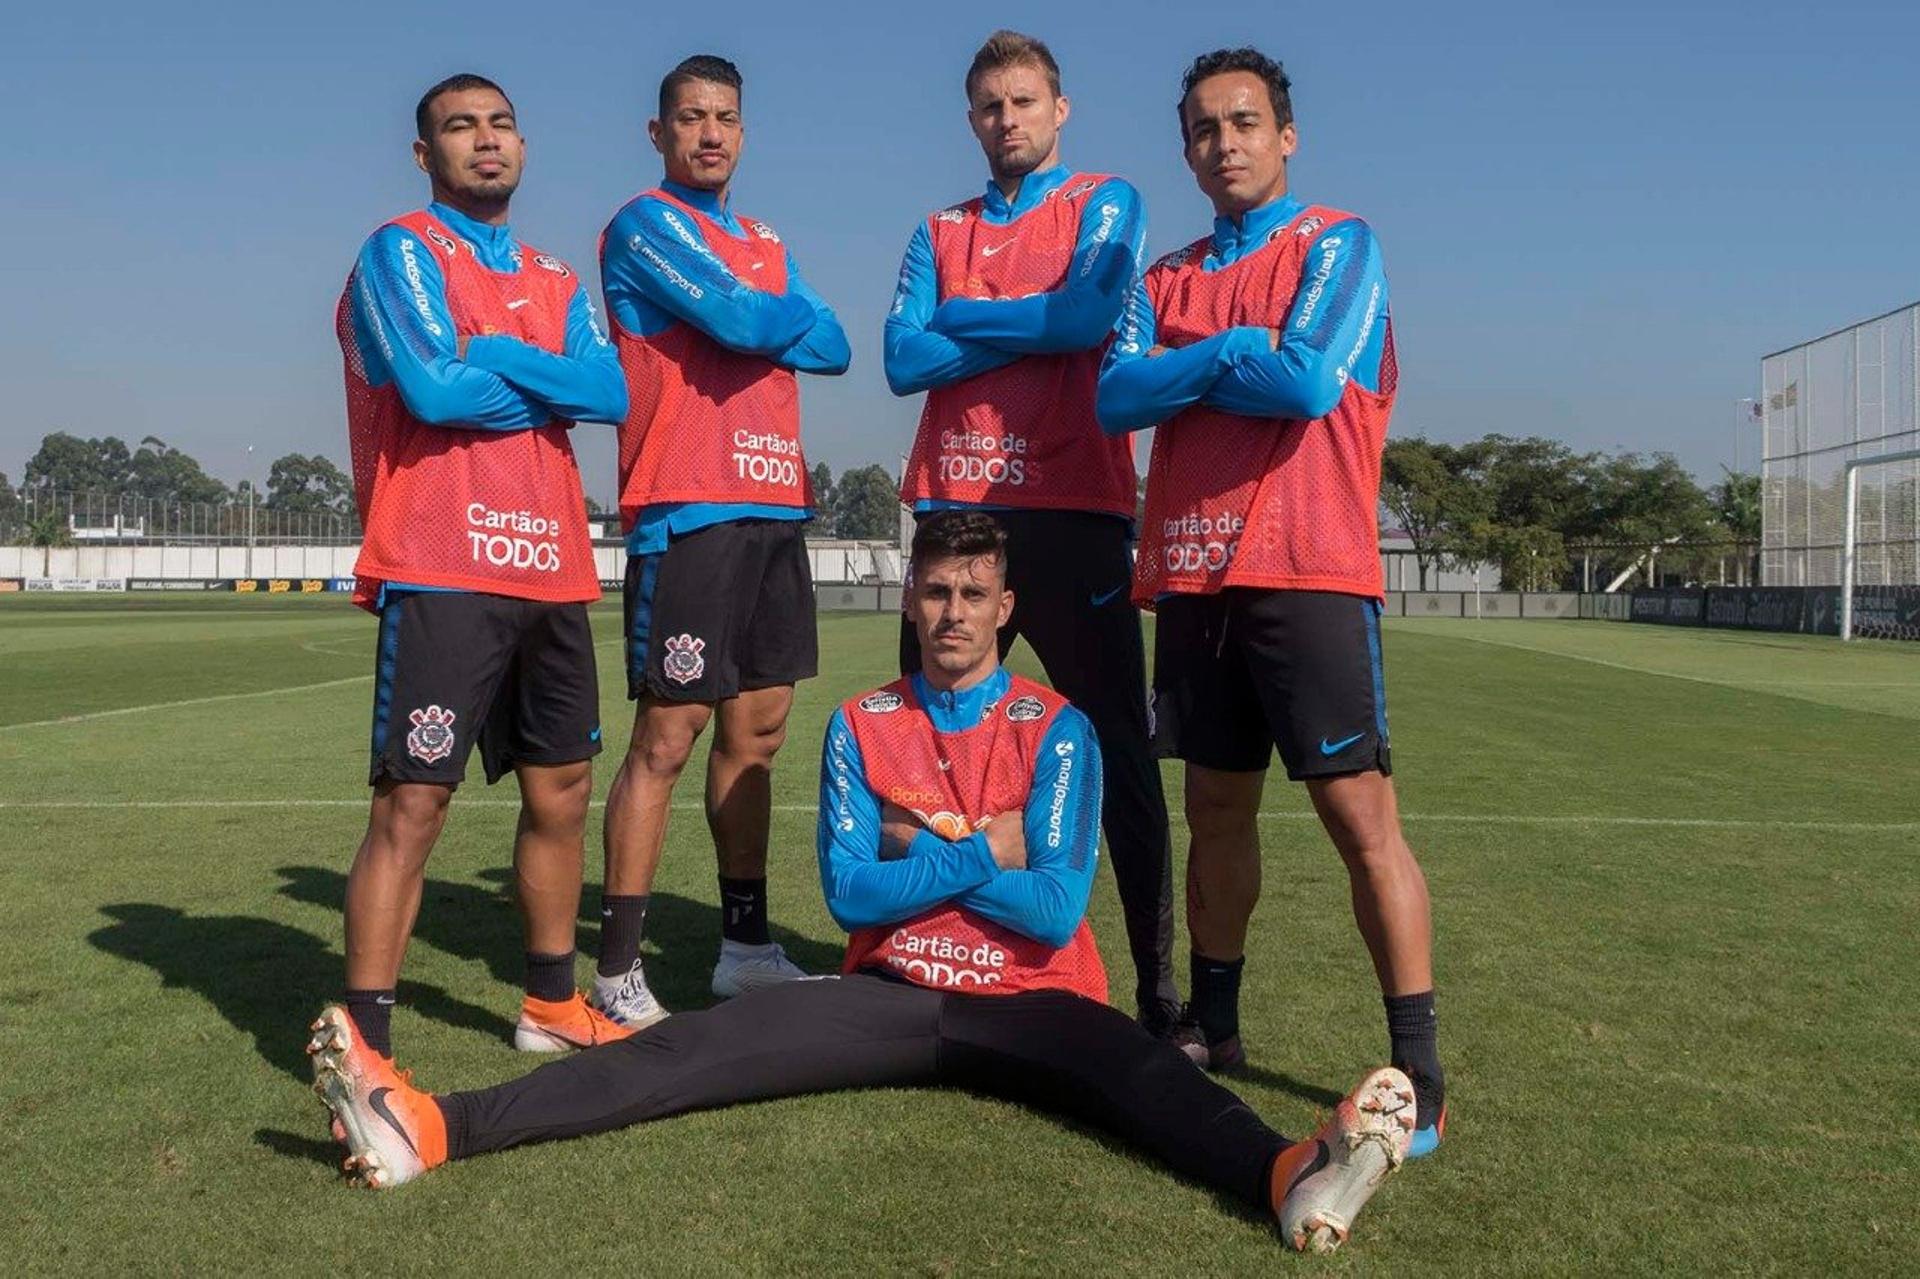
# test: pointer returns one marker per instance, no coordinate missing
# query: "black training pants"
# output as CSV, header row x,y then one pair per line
x,y
1071,573
1055,1051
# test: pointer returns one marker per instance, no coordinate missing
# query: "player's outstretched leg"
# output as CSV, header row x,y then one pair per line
x,y
393,1131
1320,1185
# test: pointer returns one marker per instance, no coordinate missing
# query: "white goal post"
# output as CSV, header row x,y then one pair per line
x,y
1850,547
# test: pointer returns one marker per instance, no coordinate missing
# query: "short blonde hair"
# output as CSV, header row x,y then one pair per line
x,y
1006,48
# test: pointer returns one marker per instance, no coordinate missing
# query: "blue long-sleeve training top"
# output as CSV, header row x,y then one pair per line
x,y
502,383
1046,901
657,271
1334,331
930,343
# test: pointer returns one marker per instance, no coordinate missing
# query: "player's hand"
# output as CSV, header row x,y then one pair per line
x,y
1156,351
898,826
1007,838
460,347
1274,337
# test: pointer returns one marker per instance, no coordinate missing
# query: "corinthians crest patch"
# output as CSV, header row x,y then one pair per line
x,y
430,740
682,663
1022,709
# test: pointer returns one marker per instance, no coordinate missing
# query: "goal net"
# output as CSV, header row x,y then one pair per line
x,y
1880,550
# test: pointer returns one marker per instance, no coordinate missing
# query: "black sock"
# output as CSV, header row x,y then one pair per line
x,y
550,977
623,921
1414,1029
743,911
1216,995
372,1013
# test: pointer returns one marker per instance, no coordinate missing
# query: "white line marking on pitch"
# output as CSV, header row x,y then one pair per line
x,y
207,701
191,701
1455,819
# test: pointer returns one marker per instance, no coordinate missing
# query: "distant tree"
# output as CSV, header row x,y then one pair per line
x,y
300,485
66,463
1736,503
49,530
866,504
158,472
12,510
822,492
1434,493
595,511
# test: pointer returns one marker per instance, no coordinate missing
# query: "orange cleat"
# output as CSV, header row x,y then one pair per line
x,y
549,1027
1366,1139
392,1130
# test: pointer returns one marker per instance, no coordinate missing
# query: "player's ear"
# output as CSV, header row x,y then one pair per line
x,y
1006,608
1061,110
422,156
653,136
1289,140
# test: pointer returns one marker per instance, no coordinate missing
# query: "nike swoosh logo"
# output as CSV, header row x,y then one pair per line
x,y
1334,748
1103,596
378,1100
594,736
518,303
988,250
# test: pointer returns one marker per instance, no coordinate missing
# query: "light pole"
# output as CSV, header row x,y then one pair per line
x,y
249,510
1746,411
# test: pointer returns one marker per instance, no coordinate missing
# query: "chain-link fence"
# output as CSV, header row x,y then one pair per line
x,y
46,517
1852,394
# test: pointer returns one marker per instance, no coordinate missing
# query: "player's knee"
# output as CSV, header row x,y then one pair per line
x,y
757,744
561,796
1374,850
662,750
416,811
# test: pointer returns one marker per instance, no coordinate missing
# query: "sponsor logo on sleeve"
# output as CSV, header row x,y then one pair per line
x,y
683,663
1022,709
431,738
882,703
410,267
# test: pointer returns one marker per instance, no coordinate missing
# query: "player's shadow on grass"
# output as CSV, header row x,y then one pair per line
x,y
265,978
481,922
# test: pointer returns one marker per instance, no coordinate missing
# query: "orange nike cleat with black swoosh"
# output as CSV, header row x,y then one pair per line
x,y
392,1130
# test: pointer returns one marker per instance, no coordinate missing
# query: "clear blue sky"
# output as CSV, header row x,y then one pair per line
x,y
1596,218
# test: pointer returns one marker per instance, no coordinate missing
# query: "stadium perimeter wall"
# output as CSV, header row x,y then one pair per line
x,y
1886,612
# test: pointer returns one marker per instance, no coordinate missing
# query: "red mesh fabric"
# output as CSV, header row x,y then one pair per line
x,y
956,783
1240,501
501,512
1023,435
705,424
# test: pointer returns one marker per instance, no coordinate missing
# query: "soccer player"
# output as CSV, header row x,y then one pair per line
x,y
957,845
1264,353
469,356
1003,305
711,320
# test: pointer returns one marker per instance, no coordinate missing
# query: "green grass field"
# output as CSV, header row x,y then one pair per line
x,y
1676,883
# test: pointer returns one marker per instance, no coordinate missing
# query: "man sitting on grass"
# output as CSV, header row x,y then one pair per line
x,y
959,830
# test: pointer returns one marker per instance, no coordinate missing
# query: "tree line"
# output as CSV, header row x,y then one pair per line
x,y
1530,506
861,503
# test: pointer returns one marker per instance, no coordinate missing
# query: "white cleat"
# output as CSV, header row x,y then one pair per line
x,y
744,968
627,998
1366,1139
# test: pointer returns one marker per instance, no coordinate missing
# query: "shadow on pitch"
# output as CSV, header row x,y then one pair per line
x,y
479,921
290,1145
264,978
1319,1095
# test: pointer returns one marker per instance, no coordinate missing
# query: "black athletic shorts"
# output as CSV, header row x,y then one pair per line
x,y
722,611
1239,673
457,667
